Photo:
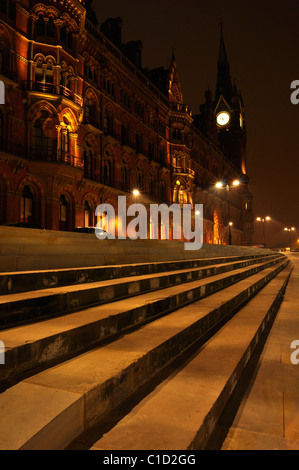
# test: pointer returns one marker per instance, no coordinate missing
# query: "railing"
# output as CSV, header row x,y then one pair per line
x,y
187,171
68,159
181,107
52,89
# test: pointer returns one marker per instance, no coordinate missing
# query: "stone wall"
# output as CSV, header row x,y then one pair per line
x,y
24,249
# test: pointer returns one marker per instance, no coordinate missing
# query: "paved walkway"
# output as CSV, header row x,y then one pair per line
x,y
268,418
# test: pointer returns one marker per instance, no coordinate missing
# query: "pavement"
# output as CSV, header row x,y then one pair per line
x,y
268,416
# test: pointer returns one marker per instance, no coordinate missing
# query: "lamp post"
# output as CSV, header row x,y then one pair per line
x,y
227,187
136,193
264,219
290,230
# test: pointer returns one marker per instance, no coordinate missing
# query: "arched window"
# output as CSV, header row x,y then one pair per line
x,y
64,145
108,123
40,26
51,28
138,178
42,139
88,161
124,134
63,213
90,112
49,73
87,213
152,188
107,173
27,205
139,143
124,177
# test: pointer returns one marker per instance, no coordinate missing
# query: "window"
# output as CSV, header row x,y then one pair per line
x,y
88,161
139,110
109,87
125,135
138,178
124,177
176,134
139,143
51,28
64,144
108,124
41,26
90,112
63,213
107,173
42,139
152,188
27,205
88,215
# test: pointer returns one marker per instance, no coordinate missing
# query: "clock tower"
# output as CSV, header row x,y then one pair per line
x,y
230,114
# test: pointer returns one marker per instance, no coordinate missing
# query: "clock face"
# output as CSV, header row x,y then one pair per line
x,y
222,118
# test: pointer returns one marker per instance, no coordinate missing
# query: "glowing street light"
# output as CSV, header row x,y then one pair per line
x,y
227,187
264,219
290,230
136,192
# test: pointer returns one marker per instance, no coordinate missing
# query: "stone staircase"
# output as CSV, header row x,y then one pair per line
x,y
81,344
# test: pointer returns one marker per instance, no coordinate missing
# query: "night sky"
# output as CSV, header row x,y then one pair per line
x,y
262,44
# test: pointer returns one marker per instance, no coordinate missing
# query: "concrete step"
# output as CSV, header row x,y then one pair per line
x,y
14,282
191,401
29,306
50,341
49,409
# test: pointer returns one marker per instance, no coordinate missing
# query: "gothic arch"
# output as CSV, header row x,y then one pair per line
x,y
39,106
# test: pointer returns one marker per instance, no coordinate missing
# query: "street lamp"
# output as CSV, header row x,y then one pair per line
x,y
135,193
264,219
290,230
227,187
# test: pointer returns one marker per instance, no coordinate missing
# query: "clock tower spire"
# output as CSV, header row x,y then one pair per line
x,y
230,113
224,83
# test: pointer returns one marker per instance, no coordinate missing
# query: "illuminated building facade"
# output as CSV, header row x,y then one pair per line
x,y
84,122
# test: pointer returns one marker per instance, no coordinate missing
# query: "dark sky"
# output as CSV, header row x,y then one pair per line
x,y
262,44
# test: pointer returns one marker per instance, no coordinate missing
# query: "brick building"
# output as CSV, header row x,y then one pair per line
x,y
84,122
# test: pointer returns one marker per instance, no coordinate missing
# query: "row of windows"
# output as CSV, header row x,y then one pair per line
x,y
46,31
29,211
